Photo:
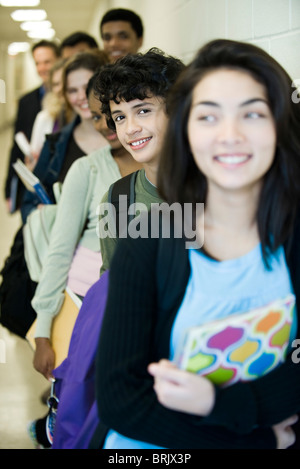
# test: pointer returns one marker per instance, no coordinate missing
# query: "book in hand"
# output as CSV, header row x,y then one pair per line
x,y
240,347
62,327
31,182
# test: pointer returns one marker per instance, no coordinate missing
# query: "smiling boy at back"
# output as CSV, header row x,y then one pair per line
x,y
121,31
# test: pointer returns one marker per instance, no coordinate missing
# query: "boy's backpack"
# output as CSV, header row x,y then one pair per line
x,y
77,416
123,187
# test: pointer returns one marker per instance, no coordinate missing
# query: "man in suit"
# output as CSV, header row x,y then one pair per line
x,y
44,54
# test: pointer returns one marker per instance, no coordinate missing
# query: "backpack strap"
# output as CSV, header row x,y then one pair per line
x,y
126,187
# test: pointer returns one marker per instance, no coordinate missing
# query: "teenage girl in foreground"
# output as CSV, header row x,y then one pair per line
x,y
232,143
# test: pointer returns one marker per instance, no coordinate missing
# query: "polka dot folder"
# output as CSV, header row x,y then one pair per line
x,y
240,347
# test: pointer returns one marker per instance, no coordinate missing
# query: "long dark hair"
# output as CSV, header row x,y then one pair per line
x,y
180,180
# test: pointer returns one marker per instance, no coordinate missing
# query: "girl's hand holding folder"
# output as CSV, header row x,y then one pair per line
x,y
181,390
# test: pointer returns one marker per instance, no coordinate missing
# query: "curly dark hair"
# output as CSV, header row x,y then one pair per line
x,y
136,76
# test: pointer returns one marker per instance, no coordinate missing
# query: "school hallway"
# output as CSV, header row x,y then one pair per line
x,y
21,386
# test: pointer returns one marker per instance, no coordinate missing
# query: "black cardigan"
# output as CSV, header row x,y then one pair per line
x,y
136,331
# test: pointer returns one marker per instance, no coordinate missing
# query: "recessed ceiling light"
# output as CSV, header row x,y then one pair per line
x,y
19,3
15,47
33,25
41,34
29,15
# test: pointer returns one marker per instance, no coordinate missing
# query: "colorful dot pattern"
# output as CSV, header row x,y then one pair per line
x,y
242,347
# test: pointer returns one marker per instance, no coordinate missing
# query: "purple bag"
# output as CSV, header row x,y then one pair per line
x,y
77,416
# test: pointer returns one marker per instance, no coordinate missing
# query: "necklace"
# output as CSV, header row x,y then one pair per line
x,y
150,181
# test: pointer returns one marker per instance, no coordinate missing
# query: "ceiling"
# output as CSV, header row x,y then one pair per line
x,y
66,16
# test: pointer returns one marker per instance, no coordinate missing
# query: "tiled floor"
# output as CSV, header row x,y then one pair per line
x,y
20,385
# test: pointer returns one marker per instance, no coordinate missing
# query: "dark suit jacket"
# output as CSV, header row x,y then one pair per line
x,y
29,106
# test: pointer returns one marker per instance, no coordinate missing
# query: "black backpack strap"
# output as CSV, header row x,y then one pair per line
x,y
126,187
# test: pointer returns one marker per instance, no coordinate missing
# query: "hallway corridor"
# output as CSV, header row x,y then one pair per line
x,y
20,385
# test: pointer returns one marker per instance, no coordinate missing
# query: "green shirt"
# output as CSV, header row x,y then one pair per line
x,y
146,194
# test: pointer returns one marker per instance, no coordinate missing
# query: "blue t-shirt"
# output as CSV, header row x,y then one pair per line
x,y
215,290
218,289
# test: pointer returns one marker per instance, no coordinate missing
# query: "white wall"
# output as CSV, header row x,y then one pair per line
x,y
19,75
181,27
